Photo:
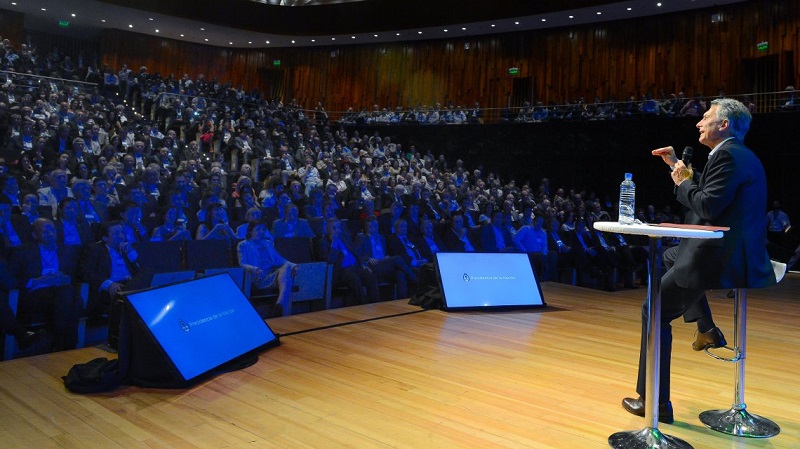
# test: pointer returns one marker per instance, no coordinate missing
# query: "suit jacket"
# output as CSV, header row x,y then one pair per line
x,y
397,248
425,250
84,231
324,253
26,263
489,240
364,248
96,268
454,244
731,191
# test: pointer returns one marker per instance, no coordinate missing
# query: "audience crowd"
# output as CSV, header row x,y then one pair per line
x,y
90,172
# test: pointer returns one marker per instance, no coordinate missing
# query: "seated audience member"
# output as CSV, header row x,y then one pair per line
x,y
30,207
531,238
8,322
131,218
82,191
632,258
400,243
56,191
347,270
44,274
252,214
215,226
313,209
110,267
556,243
10,189
14,228
457,238
429,243
373,251
71,227
291,225
495,238
170,228
258,256
386,221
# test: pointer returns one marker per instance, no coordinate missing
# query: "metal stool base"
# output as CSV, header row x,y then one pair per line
x,y
647,438
739,423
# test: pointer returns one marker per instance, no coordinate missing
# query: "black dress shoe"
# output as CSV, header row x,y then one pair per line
x,y
711,339
276,311
27,339
636,407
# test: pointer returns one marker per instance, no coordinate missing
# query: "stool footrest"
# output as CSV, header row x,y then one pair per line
x,y
739,422
737,355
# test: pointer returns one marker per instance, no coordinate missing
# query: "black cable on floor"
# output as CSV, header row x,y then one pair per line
x,y
347,323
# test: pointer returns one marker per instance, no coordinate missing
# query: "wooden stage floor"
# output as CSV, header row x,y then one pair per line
x,y
549,378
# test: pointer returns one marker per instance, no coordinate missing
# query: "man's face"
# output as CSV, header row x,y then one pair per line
x,y
44,231
712,129
115,236
81,190
60,179
30,203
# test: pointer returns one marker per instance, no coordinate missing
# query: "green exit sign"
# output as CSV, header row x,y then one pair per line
x,y
513,71
762,46
63,23
276,63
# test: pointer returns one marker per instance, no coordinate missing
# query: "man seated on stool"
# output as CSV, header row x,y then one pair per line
x,y
44,273
731,192
258,256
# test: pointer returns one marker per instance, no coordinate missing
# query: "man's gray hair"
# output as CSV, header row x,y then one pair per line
x,y
736,113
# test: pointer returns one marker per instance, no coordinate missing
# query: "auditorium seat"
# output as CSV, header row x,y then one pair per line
x,y
204,254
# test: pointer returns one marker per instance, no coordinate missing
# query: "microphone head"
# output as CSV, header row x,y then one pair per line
x,y
688,152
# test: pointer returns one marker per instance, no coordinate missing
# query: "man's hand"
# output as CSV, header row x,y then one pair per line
x,y
681,173
667,155
114,288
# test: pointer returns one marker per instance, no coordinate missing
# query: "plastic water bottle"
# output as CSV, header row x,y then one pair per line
x,y
627,200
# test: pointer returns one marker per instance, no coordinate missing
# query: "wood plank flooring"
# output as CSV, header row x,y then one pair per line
x,y
549,378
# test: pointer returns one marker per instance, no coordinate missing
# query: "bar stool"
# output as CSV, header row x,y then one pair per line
x,y
737,421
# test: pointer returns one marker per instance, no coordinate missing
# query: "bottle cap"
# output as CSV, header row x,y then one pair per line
x,y
628,176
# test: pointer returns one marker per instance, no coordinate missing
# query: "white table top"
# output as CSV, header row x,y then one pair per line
x,y
656,231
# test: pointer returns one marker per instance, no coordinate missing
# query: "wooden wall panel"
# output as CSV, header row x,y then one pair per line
x,y
681,52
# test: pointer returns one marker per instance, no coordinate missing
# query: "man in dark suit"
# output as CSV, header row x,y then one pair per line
x,y
731,192
429,243
110,267
348,270
401,243
496,238
373,251
458,238
44,274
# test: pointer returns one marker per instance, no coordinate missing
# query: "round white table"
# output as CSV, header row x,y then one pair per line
x,y
650,436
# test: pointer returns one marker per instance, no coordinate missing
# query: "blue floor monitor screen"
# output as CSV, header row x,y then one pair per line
x,y
484,280
202,323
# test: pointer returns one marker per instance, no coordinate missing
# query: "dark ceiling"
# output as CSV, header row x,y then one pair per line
x,y
353,17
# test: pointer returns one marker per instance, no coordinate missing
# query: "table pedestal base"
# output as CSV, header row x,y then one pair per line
x,y
739,423
647,438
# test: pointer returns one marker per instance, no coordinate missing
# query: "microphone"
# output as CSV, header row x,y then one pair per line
x,y
688,152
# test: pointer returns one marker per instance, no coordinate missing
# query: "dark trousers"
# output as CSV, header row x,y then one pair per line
x,y
362,283
675,301
61,307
